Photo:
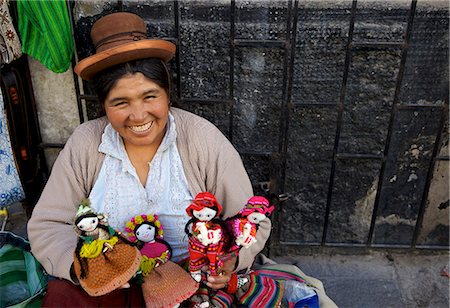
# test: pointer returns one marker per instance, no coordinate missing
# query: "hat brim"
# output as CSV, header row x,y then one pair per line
x,y
90,66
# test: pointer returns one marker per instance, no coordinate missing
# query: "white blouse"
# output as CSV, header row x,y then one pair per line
x,y
119,194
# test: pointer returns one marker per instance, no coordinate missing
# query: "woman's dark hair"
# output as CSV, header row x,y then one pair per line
x,y
152,68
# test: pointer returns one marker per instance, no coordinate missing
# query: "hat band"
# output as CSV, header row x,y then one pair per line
x,y
122,36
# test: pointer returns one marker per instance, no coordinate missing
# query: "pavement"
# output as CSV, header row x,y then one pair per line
x,y
356,278
380,278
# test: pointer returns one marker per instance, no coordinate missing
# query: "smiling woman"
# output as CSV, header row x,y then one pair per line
x,y
137,106
143,157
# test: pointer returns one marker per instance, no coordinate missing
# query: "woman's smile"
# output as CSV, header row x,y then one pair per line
x,y
141,128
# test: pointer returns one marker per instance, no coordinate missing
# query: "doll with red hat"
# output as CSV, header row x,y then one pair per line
x,y
206,236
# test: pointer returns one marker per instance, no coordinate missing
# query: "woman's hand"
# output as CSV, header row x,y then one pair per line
x,y
225,271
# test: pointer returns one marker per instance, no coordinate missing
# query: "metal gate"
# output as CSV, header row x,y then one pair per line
x,y
341,106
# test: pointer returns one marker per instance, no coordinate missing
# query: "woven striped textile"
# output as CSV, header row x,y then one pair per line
x,y
45,32
279,274
21,275
262,292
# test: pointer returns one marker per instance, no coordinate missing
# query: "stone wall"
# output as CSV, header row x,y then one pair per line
x,y
299,126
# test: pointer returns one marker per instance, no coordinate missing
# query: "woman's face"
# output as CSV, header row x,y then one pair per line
x,y
138,110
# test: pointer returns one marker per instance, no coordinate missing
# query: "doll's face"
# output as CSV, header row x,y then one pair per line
x,y
145,233
205,214
256,217
88,224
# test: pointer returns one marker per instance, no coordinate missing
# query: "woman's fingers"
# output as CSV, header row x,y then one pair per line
x,y
225,271
220,281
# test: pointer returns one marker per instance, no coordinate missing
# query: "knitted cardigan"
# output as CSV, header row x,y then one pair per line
x,y
209,161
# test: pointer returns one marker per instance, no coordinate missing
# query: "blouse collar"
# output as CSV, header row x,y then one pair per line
x,y
112,144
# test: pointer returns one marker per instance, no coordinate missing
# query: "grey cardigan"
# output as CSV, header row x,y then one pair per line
x,y
209,160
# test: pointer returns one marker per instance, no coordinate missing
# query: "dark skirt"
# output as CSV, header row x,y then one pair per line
x,y
63,293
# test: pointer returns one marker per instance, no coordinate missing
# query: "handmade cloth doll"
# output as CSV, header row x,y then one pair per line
x,y
165,284
206,238
245,225
103,259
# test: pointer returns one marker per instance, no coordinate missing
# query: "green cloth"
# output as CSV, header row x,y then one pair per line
x,y
45,32
22,278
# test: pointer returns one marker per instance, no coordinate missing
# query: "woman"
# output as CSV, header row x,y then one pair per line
x,y
144,156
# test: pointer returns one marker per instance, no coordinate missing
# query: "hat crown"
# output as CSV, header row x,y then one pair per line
x,y
117,29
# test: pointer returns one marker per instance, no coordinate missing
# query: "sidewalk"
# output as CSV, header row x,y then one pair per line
x,y
379,278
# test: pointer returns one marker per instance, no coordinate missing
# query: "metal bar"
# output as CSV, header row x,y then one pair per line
x,y
433,247
47,145
339,118
176,10
291,243
394,108
254,153
260,43
89,97
206,101
299,244
73,61
376,45
288,72
357,245
437,144
358,156
231,81
418,106
311,104
443,158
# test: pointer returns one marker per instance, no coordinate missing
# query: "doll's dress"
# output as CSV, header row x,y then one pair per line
x,y
237,227
166,284
153,254
201,255
108,263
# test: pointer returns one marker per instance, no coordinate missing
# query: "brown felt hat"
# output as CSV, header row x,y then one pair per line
x,y
119,38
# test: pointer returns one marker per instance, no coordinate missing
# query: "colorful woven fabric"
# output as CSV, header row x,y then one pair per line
x,y
10,186
45,32
279,274
110,270
10,48
21,276
260,291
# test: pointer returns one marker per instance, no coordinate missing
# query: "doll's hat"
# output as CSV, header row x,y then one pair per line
x,y
257,204
119,38
202,200
84,209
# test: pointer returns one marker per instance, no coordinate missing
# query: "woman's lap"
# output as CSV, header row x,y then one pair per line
x,y
63,293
